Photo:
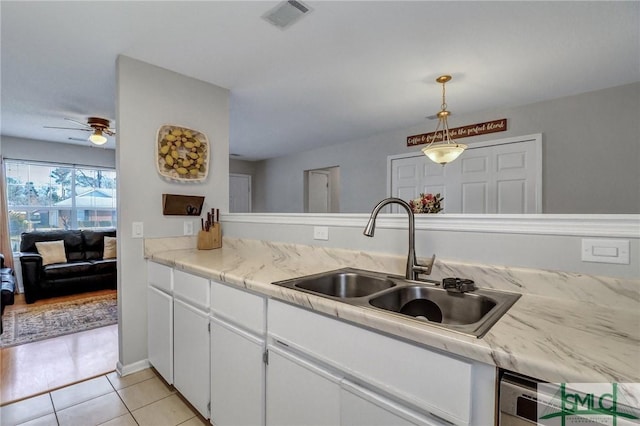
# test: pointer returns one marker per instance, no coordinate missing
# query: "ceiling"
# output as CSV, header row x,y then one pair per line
x,y
347,70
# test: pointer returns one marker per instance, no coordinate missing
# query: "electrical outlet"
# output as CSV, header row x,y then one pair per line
x,y
188,227
321,233
137,230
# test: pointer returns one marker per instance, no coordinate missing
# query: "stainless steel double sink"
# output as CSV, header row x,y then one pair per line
x,y
471,313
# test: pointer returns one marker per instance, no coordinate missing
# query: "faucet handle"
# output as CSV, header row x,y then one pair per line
x,y
424,269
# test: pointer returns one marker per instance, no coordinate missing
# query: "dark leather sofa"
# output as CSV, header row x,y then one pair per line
x,y
85,270
8,288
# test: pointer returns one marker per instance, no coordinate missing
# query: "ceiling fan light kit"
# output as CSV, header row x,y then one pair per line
x,y
99,127
97,137
446,150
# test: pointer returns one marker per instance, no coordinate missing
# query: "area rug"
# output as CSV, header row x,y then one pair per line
x,y
46,321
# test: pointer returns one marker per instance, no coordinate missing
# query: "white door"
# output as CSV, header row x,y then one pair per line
x,y
319,191
363,407
239,193
191,355
300,393
160,332
237,376
502,176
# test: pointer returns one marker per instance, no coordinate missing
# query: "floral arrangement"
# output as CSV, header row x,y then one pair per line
x,y
426,203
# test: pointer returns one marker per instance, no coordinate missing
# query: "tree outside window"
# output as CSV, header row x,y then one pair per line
x,y
48,196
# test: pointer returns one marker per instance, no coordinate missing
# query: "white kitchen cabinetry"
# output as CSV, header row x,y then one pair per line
x,y
210,340
191,339
160,319
436,384
300,393
237,349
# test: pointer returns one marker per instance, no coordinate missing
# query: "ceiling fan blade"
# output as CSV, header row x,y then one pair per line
x,y
68,128
78,122
109,132
78,139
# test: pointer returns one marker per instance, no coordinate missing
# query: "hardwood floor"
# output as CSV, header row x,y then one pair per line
x,y
39,367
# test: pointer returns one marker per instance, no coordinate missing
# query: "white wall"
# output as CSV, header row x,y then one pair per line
x,y
590,156
53,152
147,98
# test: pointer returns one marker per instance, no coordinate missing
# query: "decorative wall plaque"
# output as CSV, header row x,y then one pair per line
x,y
182,154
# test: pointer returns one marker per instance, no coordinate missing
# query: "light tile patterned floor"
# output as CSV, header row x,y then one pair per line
x,y
38,367
137,399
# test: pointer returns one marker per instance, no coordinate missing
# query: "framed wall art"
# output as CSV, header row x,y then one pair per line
x,y
182,154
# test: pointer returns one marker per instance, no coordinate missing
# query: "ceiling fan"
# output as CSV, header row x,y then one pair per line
x,y
96,125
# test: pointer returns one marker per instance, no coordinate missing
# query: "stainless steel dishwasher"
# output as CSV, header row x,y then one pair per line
x,y
518,400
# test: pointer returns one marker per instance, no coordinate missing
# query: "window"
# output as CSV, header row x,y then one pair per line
x,y
58,196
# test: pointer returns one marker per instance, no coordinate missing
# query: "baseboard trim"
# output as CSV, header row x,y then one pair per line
x,y
125,370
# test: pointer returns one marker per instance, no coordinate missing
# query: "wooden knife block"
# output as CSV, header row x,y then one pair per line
x,y
211,239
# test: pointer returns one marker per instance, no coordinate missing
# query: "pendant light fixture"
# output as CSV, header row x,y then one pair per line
x,y
445,150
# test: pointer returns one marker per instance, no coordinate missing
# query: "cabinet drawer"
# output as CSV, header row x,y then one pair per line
x,y
239,307
160,276
427,379
191,289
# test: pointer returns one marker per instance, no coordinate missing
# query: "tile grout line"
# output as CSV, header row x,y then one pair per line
x,y
120,396
55,412
124,403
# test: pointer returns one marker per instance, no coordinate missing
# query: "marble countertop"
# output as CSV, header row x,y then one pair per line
x,y
564,328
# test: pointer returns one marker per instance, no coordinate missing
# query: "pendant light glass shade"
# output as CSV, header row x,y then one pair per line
x,y
97,137
446,150
444,153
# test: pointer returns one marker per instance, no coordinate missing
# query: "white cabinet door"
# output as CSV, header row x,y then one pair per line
x,y
191,355
237,376
363,407
160,332
300,393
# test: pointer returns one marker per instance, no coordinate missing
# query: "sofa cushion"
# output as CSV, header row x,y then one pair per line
x,y
51,252
67,270
73,242
94,242
106,266
110,249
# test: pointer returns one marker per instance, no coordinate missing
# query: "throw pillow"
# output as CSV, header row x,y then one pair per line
x,y
51,252
109,248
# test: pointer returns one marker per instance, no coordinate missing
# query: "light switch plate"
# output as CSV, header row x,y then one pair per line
x,y
137,230
605,250
321,233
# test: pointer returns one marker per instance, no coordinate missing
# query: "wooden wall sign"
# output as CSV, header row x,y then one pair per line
x,y
461,132
182,205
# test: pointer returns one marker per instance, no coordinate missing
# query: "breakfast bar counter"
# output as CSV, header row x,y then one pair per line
x,y
565,327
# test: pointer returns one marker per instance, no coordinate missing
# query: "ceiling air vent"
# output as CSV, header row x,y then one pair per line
x,y
286,13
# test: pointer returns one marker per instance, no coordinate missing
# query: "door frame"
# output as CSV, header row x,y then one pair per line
x,y
250,186
307,192
535,137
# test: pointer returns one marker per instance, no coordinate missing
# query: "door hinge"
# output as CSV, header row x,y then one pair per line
x,y
209,328
265,357
209,407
